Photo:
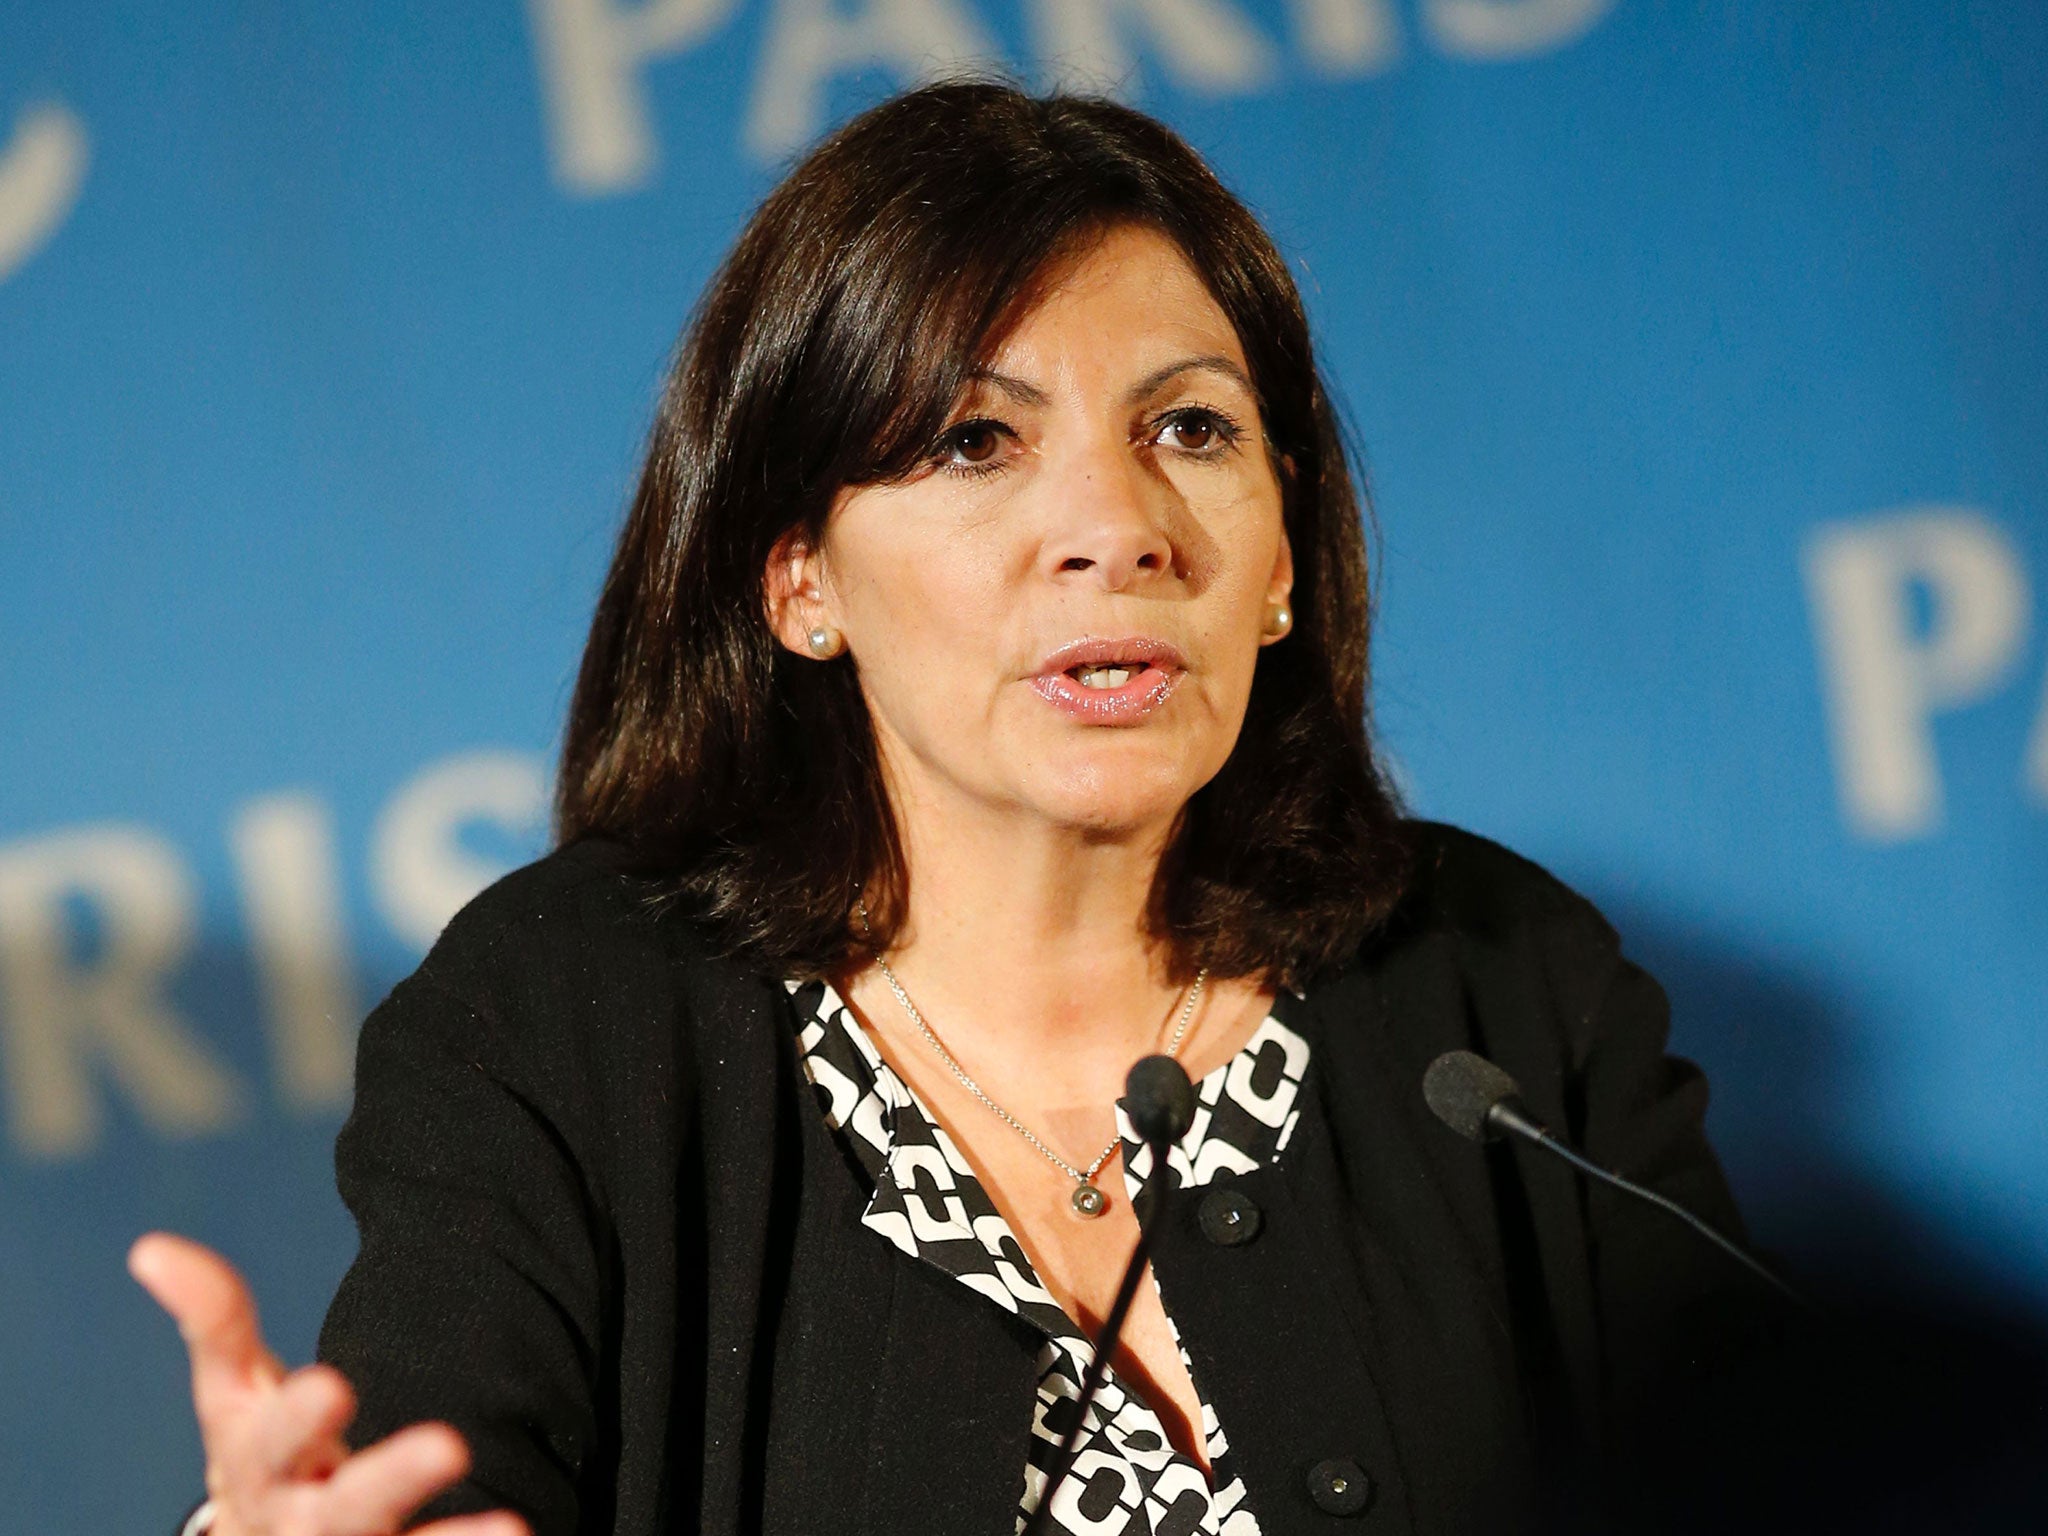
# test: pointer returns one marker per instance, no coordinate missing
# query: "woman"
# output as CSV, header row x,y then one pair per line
x,y
975,704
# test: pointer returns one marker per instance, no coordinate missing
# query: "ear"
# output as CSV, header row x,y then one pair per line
x,y
793,591
1281,585
1283,569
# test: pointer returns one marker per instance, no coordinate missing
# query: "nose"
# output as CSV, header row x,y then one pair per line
x,y
1111,529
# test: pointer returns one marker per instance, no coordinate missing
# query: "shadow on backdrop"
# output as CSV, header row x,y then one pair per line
x,y
1923,1406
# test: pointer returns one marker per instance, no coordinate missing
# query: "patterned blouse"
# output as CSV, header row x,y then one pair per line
x,y
1128,1480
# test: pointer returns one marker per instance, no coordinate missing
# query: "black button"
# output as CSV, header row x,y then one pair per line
x,y
1229,1217
1339,1486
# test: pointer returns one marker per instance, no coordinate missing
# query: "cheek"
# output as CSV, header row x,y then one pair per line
x,y
1243,539
1233,511
915,609
1237,607
926,623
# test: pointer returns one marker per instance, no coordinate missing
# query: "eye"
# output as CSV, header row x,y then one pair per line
x,y
971,448
1200,431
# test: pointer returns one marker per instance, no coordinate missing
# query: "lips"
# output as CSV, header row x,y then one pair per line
x,y
1110,682
1134,651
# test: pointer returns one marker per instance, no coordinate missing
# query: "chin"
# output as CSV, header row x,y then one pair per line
x,y
1118,798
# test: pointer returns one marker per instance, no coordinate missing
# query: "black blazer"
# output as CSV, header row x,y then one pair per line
x,y
607,1235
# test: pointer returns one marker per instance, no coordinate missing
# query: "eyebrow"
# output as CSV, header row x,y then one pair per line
x,y
1027,393
1213,362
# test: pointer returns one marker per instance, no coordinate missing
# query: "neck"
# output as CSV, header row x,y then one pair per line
x,y
1024,940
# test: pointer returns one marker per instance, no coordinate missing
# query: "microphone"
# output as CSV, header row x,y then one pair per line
x,y
1161,1104
1482,1103
1160,1101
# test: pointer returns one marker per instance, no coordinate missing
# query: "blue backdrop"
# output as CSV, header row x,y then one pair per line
x,y
1698,355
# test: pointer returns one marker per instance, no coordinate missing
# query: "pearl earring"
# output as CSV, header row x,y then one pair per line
x,y
1279,620
826,641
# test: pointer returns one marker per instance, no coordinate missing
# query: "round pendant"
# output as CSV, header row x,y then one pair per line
x,y
1088,1201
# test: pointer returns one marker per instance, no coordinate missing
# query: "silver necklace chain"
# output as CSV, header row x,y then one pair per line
x,y
1081,1176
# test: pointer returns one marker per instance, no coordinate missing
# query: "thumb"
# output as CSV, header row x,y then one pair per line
x,y
215,1313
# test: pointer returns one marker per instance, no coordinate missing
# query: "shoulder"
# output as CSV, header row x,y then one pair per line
x,y
1490,937
1465,884
579,964
584,922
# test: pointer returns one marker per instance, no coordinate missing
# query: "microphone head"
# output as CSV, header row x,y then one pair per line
x,y
1462,1089
1159,1099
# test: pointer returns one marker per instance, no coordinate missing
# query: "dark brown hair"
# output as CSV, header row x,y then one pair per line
x,y
827,352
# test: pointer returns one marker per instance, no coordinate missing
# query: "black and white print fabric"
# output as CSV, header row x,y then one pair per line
x,y
1128,1480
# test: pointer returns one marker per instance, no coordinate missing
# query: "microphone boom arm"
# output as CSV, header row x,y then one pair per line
x,y
1105,1338
1509,1118
1161,1102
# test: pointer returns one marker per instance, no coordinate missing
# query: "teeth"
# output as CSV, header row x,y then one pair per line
x,y
1104,677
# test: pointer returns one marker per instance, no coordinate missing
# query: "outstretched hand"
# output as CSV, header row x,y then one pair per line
x,y
276,1463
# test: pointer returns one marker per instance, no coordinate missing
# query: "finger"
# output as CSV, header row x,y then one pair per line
x,y
373,1492
499,1522
297,1430
214,1312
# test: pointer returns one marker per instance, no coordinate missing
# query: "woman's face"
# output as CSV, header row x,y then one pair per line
x,y
1056,618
